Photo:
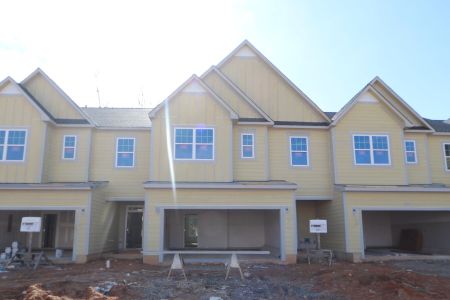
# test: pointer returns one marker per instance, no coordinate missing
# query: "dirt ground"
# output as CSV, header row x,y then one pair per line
x,y
134,280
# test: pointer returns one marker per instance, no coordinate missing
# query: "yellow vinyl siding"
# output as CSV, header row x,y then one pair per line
x,y
314,179
437,159
237,103
211,197
251,168
384,201
16,112
124,182
369,118
269,90
419,173
61,170
51,99
333,212
193,110
306,210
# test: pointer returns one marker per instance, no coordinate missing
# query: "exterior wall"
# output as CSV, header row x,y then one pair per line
x,y
51,99
208,113
55,201
224,91
256,168
306,210
57,167
419,173
208,198
103,236
437,161
365,118
357,201
269,90
17,112
377,229
314,179
123,182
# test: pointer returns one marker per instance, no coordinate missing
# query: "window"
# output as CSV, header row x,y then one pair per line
x,y
299,151
371,149
12,145
447,156
69,147
410,152
194,144
125,152
247,145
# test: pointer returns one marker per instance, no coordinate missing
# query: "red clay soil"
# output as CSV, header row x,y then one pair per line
x,y
133,280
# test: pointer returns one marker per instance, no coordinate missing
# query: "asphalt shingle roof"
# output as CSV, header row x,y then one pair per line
x,y
119,117
439,125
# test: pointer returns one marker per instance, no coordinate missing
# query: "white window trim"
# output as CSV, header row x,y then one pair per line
x,y
307,151
5,145
74,147
242,145
446,168
194,144
416,160
371,149
117,152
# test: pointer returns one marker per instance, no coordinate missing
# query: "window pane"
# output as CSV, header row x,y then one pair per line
x,y
125,145
125,159
183,151
409,146
361,142
15,152
247,151
16,137
299,158
183,135
298,144
204,136
1,152
447,149
247,139
380,157
2,136
362,156
203,151
448,163
410,157
69,153
69,141
379,142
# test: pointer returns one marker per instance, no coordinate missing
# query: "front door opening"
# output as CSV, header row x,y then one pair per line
x,y
191,231
49,230
134,228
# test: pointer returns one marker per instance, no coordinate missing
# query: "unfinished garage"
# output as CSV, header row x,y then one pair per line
x,y
57,232
397,232
223,230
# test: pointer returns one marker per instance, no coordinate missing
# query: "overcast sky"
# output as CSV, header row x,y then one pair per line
x,y
134,49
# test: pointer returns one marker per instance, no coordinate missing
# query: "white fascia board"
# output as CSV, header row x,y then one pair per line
x,y
220,186
397,189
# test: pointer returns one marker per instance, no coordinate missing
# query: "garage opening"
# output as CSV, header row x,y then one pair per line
x,y
406,232
252,230
57,232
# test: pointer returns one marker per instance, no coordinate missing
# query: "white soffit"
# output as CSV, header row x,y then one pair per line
x,y
245,52
10,89
194,87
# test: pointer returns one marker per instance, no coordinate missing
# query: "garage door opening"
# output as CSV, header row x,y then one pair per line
x,y
247,230
398,233
57,232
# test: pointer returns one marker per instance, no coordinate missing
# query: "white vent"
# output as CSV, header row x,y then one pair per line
x,y
367,98
194,87
245,52
10,89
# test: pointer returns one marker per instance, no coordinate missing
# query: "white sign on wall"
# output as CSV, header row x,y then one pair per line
x,y
318,226
30,224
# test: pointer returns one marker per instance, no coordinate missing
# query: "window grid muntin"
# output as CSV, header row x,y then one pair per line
x,y
447,155
360,144
247,141
12,138
194,138
410,151
299,146
69,143
125,145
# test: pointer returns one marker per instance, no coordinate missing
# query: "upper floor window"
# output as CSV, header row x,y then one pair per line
x,y
69,147
299,151
247,145
12,145
410,152
371,149
194,144
125,152
447,156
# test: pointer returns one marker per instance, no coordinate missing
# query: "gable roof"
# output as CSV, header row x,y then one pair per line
x,y
195,79
276,70
66,97
107,117
370,87
234,87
